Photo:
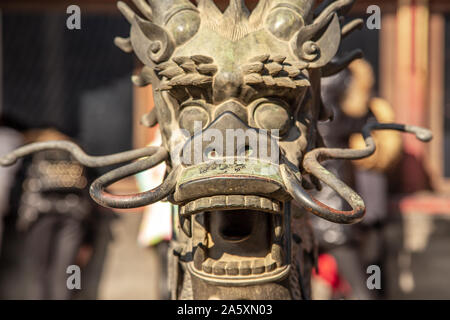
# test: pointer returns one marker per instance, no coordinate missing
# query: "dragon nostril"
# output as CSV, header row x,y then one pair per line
x,y
245,151
248,151
212,154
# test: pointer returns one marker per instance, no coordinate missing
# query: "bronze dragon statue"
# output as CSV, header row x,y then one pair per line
x,y
237,96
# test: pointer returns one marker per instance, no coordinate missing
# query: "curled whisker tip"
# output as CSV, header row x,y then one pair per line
x,y
421,134
424,136
7,161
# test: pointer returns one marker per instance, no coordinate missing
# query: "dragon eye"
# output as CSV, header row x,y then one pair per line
x,y
271,116
284,23
183,25
193,118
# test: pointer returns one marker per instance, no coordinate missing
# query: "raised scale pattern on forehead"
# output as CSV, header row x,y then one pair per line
x,y
263,75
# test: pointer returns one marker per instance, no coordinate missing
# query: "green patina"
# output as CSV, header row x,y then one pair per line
x,y
250,168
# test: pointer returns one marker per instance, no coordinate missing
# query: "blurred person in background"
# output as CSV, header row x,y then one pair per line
x,y
54,217
10,139
347,251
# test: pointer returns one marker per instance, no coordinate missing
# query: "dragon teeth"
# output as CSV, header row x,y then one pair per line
x,y
231,202
255,266
277,254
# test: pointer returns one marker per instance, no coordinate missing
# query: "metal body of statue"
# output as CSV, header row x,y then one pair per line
x,y
242,228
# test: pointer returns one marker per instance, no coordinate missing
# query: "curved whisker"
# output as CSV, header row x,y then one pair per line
x,y
103,198
311,164
78,154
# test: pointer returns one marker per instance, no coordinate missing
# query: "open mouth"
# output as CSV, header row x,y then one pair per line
x,y
238,246
234,215
236,222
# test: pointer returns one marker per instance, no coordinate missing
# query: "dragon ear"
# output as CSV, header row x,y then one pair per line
x,y
151,43
319,42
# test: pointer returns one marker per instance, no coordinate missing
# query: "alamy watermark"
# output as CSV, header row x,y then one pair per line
x,y
374,20
74,280
374,280
73,21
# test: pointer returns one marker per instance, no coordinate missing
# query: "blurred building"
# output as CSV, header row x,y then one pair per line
x,y
413,62
79,82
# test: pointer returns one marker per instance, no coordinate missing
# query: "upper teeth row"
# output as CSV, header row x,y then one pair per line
x,y
231,202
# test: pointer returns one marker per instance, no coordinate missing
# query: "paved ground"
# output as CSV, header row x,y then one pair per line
x,y
119,269
130,272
